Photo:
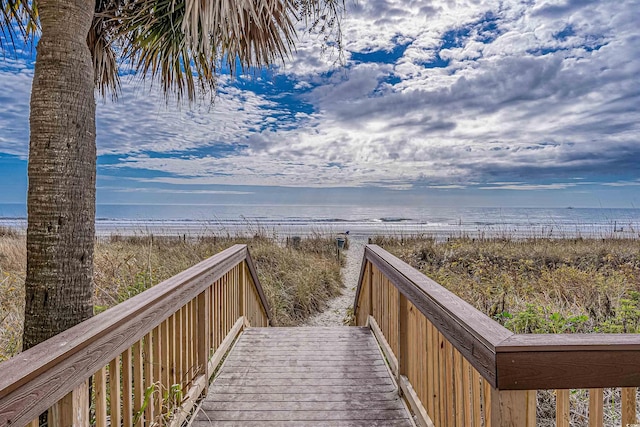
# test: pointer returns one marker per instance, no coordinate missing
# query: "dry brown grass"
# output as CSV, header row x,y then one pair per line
x,y
536,285
13,256
297,281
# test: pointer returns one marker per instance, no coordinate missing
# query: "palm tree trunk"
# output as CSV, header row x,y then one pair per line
x,y
62,165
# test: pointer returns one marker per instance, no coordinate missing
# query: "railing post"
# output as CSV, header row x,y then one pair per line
x,y
71,410
513,408
203,334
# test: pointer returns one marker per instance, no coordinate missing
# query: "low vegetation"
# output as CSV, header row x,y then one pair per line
x,y
297,280
536,285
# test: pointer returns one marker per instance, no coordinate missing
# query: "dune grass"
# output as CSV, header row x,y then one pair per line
x,y
297,281
536,285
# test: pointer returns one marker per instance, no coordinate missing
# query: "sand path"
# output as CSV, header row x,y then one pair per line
x,y
337,311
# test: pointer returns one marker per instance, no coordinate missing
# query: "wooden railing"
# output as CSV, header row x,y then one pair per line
x,y
145,361
457,367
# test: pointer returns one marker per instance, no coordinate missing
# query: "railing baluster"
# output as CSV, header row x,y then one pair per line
x,y
138,382
458,374
173,366
476,394
100,384
629,406
203,324
71,410
114,392
596,410
184,347
467,397
156,342
127,389
148,379
562,408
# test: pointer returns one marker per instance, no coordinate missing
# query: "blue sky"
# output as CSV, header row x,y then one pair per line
x,y
442,103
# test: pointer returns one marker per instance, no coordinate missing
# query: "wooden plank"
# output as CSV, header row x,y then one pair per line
x,y
596,409
326,373
315,342
138,381
366,389
476,397
421,415
273,415
324,423
629,406
224,347
431,378
348,396
71,410
303,382
114,393
156,346
512,408
531,370
293,405
100,384
173,348
292,369
563,418
449,383
437,386
308,362
487,404
403,336
266,310
148,377
386,349
466,387
127,388
459,391
203,344
319,388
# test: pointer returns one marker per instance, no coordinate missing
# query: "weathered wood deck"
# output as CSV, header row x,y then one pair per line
x,y
304,377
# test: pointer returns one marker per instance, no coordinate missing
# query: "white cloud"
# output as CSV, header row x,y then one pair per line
x,y
523,91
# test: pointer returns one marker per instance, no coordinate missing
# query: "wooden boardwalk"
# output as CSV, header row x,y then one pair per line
x,y
320,376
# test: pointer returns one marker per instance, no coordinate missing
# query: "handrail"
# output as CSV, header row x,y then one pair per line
x,y
506,361
472,333
36,379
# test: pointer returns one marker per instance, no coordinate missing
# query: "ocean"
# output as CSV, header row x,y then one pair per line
x,y
358,220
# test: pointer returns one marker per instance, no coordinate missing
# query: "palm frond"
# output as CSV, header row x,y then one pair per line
x,y
100,41
185,43
17,17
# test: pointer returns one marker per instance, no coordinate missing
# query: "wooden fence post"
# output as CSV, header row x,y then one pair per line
x,y
71,410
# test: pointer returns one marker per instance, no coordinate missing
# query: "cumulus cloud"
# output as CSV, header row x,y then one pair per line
x,y
432,94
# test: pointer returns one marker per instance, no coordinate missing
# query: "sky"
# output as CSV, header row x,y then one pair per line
x,y
525,103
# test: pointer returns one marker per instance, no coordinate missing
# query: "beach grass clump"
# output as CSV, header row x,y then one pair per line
x,y
296,281
13,255
536,285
